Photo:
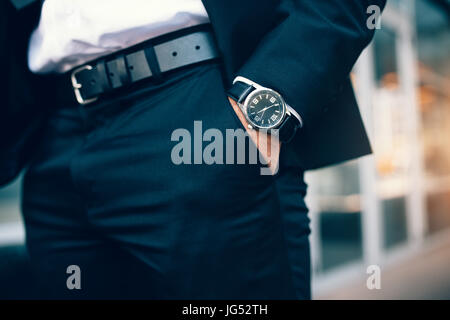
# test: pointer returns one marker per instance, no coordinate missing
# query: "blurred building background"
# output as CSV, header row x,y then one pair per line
x,y
391,209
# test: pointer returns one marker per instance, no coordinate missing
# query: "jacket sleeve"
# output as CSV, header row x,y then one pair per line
x,y
20,117
310,53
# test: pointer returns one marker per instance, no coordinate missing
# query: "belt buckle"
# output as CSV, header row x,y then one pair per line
x,y
76,86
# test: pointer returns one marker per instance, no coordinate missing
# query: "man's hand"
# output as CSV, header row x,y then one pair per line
x,y
262,141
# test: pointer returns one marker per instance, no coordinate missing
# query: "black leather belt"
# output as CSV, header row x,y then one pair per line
x,y
149,60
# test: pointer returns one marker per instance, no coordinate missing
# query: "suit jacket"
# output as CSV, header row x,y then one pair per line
x,y
304,49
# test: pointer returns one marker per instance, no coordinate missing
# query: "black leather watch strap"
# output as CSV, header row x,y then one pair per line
x,y
239,91
288,128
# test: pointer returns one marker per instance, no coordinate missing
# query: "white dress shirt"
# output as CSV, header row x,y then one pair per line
x,y
72,32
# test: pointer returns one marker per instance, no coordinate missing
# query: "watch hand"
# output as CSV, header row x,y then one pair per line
x,y
262,115
268,108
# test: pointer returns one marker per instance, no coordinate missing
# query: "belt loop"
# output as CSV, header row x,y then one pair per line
x,y
152,61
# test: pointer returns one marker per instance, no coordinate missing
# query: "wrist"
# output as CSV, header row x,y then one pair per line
x,y
238,112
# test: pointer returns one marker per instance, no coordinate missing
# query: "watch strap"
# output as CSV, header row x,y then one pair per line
x,y
240,90
288,128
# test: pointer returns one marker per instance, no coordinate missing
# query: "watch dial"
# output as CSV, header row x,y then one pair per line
x,y
265,109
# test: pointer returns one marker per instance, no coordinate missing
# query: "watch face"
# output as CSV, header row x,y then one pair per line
x,y
265,109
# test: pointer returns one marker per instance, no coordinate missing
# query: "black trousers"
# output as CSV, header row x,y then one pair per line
x,y
103,193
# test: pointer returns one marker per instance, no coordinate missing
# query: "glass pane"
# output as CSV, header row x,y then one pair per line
x,y
394,222
385,58
341,238
339,218
438,208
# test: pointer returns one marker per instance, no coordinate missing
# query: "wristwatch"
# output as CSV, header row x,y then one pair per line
x,y
265,108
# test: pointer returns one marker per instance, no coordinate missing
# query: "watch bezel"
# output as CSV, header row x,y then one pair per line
x,y
257,92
